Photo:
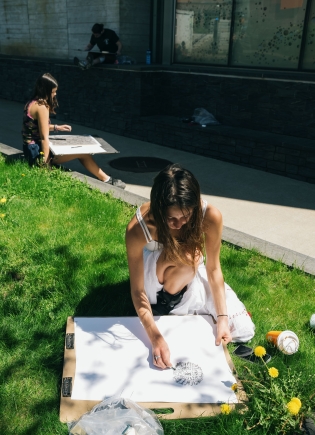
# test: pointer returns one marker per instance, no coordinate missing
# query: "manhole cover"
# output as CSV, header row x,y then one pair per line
x,y
139,164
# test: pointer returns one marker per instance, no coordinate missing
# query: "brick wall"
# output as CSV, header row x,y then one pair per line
x,y
272,105
58,29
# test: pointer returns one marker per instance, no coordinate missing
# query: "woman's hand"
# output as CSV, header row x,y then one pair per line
x,y
161,354
223,331
64,127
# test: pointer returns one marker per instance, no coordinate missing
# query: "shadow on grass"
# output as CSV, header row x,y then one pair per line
x,y
41,351
37,426
107,301
8,338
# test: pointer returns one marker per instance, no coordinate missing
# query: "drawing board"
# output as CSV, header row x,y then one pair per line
x,y
113,356
78,144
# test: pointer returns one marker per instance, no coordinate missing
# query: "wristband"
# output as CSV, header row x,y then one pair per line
x,y
222,315
55,127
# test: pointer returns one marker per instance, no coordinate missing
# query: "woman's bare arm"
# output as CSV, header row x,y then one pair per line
x,y
57,127
213,230
42,115
135,242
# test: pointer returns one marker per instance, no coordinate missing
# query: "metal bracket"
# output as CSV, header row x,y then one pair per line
x,y
66,387
70,341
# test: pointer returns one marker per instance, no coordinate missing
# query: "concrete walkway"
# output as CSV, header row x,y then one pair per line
x,y
271,213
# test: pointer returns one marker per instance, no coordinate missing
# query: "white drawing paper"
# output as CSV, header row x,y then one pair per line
x,y
74,144
114,356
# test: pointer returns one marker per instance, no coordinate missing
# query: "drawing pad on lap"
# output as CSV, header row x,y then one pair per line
x,y
78,144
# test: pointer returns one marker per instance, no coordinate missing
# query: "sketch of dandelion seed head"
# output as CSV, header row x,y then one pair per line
x,y
188,373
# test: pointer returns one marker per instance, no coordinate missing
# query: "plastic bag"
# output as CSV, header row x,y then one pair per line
x,y
203,117
126,60
117,416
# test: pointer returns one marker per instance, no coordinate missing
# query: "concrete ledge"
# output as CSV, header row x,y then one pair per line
x,y
206,70
118,193
235,237
8,151
270,250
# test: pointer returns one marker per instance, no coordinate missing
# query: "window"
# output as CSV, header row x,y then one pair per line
x,y
202,31
309,52
245,33
268,33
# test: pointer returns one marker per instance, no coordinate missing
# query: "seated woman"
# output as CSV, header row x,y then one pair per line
x,y
36,128
166,240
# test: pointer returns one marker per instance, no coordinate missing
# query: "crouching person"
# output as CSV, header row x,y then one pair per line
x,y
166,241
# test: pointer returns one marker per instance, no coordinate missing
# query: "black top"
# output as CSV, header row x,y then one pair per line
x,y
106,42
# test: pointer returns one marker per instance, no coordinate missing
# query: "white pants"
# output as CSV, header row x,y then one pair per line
x,y
198,298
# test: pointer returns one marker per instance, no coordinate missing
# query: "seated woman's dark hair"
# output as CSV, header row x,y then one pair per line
x,y
43,90
97,28
175,186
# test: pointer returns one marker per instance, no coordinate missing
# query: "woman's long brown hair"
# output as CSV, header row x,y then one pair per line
x,y
42,92
177,187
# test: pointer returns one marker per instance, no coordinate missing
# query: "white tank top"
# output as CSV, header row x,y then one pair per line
x,y
153,245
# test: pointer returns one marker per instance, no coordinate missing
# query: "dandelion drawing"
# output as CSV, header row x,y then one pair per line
x,y
188,373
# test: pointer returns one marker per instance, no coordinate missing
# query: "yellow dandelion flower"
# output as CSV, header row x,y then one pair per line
x,y
225,408
41,153
3,200
260,351
273,372
234,387
2,215
293,408
297,401
23,175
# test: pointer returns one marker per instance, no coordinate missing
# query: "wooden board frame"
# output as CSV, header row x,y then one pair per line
x,y
71,410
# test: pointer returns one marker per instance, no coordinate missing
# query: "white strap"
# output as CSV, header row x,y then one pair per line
x,y
143,225
204,207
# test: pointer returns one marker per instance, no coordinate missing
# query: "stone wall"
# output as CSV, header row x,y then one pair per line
x,y
279,106
57,29
265,124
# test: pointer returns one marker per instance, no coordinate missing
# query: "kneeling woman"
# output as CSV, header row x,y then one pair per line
x,y
165,242
36,128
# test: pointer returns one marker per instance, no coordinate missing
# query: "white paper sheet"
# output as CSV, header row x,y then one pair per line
x,y
113,356
74,144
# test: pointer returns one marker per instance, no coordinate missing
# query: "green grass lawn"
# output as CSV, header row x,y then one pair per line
x,y
62,253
